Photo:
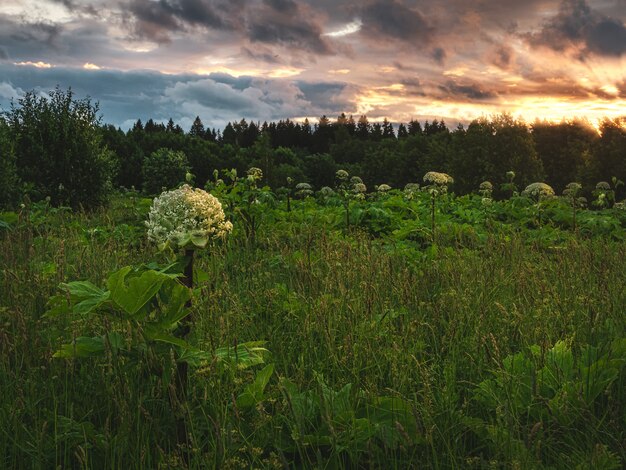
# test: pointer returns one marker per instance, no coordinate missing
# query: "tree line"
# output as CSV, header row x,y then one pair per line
x,y
57,147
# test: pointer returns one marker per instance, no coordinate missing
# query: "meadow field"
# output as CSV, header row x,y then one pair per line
x,y
337,329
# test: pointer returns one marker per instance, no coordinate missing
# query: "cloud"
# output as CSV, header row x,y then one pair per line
x,y
287,23
579,29
393,19
8,92
438,54
454,91
127,96
155,20
501,56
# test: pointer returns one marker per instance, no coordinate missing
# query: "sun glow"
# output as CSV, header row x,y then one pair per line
x,y
39,65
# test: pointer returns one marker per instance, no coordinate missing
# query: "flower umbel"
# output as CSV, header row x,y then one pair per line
x,y
538,190
186,217
440,179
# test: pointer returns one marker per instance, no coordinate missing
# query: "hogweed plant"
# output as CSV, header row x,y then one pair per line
x,y
186,218
437,186
486,190
538,192
605,193
349,188
570,193
509,187
189,219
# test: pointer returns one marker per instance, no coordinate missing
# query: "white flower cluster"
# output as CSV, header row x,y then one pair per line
x,y
304,190
342,175
440,179
359,188
254,174
538,190
186,217
572,189
603,186
325,191
383,188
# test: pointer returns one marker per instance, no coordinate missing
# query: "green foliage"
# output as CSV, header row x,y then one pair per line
x,y
153,302
501,346
59,150
163,169
9,181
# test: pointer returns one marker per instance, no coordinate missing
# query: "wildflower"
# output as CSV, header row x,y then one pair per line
x,y
440,179
186,217
486,201
304,189
356,180
254,174
342,175
538,190
620,205
510,175
410,189
485,189
326,191
383,188
603,186
359,188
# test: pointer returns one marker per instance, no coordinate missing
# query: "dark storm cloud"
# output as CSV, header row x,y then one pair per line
x,y
127,96
413,86
501,56
286,23
39,32
326,93
81,41
4,55
462,91
393,19
576,25
77,7
155,20
265,55
438,54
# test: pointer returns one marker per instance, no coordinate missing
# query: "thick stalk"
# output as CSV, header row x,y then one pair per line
x,y
432,215
182,368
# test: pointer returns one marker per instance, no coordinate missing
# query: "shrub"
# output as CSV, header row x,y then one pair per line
x,y
163,169
8,169
58,148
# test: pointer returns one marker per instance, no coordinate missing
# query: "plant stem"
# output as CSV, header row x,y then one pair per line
x,y
182,368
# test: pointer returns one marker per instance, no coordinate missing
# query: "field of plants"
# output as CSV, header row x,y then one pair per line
x,y
339,328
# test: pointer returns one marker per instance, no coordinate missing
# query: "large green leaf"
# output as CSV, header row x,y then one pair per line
x,y
244,355
132,293
253,393
86,297
90,347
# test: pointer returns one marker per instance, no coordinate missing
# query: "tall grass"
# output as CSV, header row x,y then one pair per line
x,y
391,319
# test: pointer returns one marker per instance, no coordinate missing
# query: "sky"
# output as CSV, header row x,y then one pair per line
x,y
225,60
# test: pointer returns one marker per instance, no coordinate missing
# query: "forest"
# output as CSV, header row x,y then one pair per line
x,y
151,155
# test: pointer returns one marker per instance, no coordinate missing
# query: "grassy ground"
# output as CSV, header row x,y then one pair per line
x,y
433,328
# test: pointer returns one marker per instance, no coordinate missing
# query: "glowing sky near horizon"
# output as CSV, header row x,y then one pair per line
x,y
224,60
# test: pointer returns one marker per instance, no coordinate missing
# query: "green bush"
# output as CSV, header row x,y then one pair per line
x,y
8,169
58,148
164,168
